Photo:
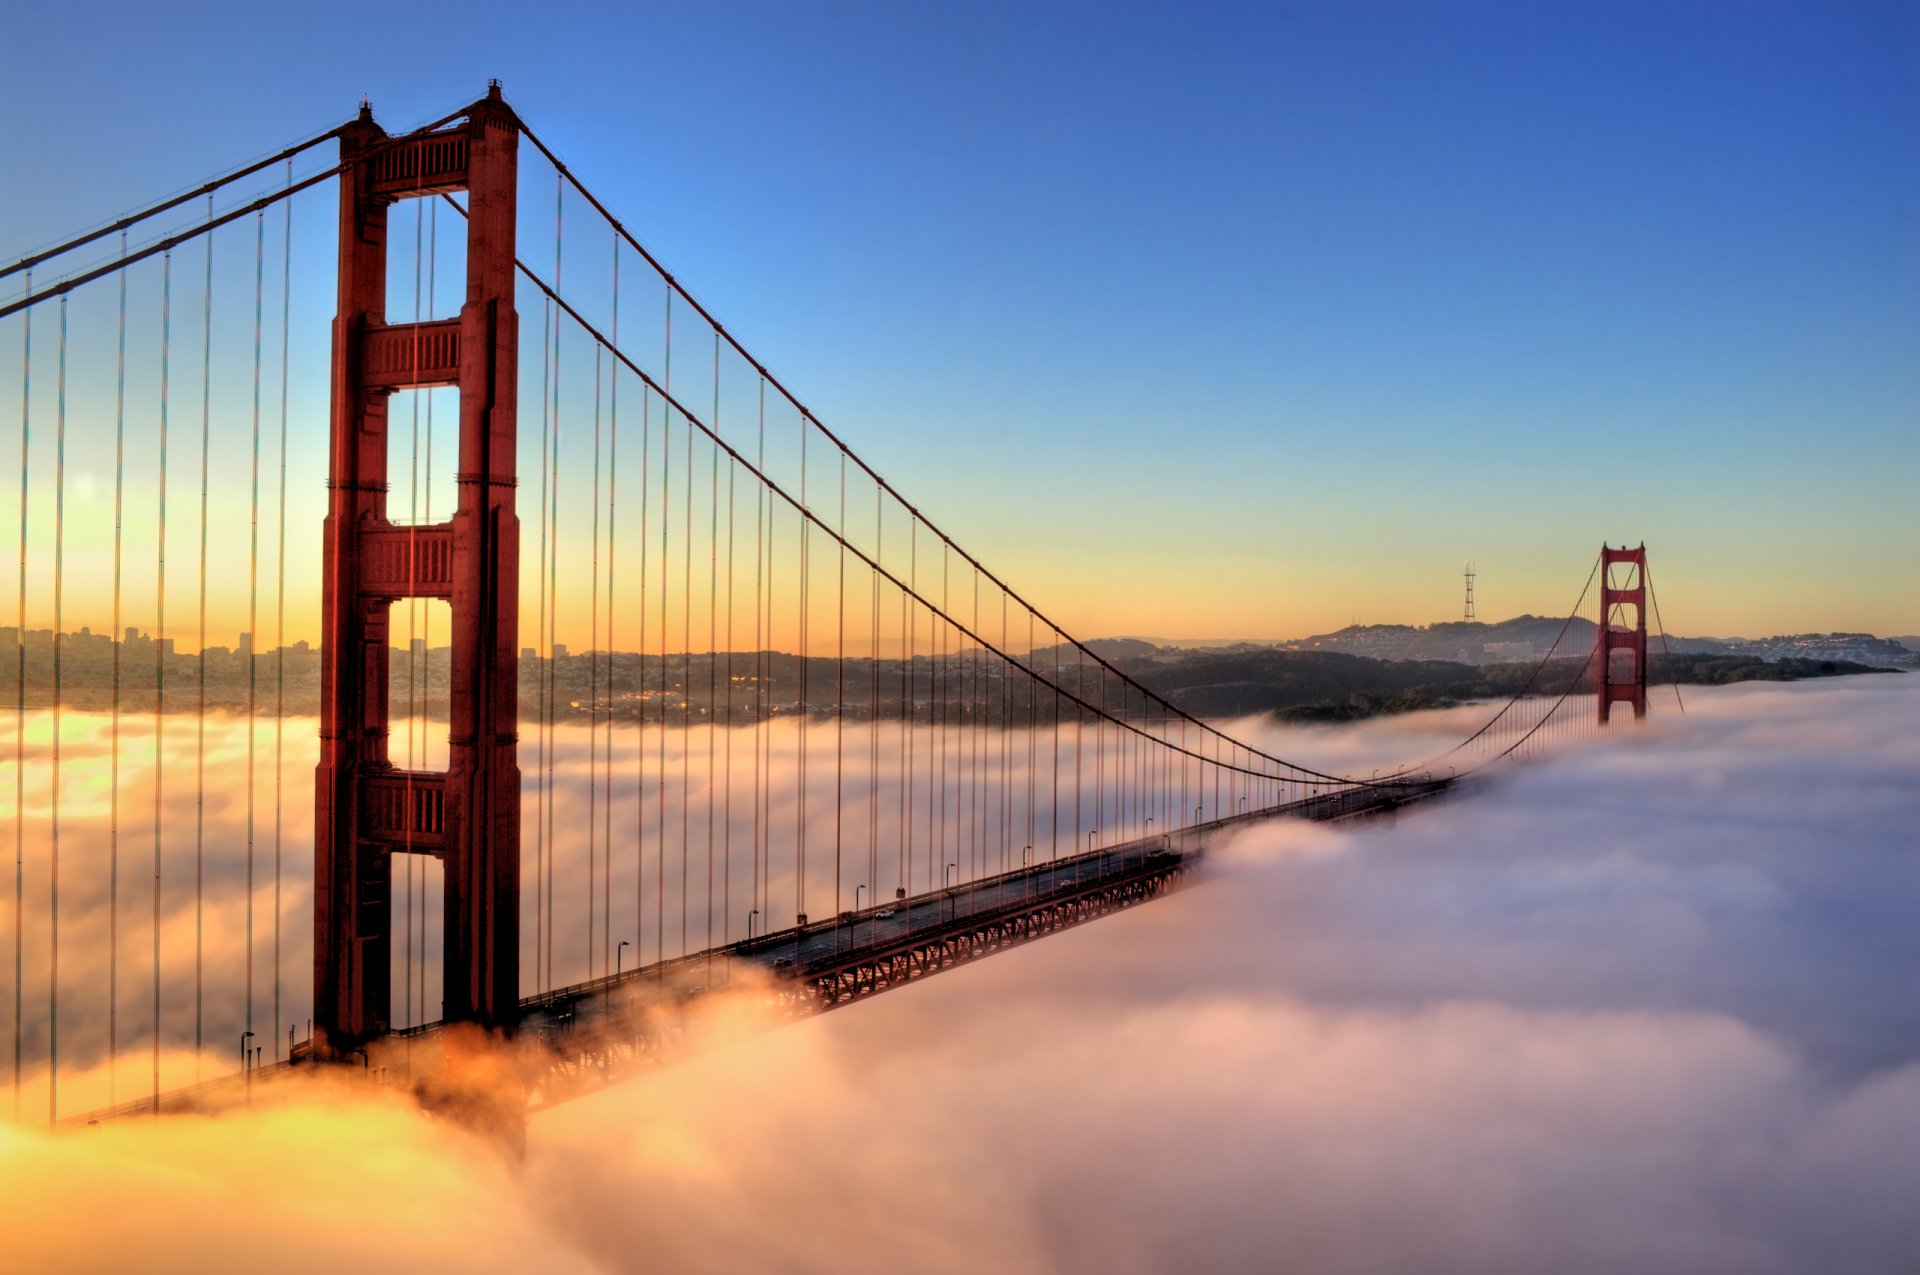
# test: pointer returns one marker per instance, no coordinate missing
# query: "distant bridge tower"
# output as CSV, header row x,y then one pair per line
x,y
366,810
1469,615
1620,662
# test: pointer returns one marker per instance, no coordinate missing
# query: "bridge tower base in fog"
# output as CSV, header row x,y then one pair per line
x,y
1620,663
367,810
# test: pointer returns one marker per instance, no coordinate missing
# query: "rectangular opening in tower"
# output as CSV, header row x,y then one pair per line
x,y
419,694
423,453
1623,575
417,930
426,260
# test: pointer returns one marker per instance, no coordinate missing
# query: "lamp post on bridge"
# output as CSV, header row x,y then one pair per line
x,y
750,915
953,908
244,1070
1149,837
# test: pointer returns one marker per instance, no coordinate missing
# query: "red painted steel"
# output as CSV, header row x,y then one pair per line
x,y
366,810
1619,636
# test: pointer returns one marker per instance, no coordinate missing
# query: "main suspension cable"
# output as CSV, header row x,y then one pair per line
x,y
808,418
809,520
122,225
212,222
1673,674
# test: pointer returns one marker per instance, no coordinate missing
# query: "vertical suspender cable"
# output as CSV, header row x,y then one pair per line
x,y
660,804
906,735
910,624
114,633
726,804
713,654
20,713
686,630
840,690
253,580
763,671
59,583
937,772
1673,674
160,647
686,696
613,470
759,646
200,744
976,704
1080,736
873,704
1033,711
593,668
1006,744
1100,770
1055,807
280,593
640,678
803,718
963,805
541,944
553,566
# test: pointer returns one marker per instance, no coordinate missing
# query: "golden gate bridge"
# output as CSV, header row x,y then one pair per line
x,y
819,744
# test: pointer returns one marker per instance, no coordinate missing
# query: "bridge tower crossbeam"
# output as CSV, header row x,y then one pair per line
x,y
367,810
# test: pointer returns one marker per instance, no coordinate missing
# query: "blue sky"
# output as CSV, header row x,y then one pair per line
x,y
1205,320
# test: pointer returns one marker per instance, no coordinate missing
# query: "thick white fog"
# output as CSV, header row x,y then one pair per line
x,y
1644,1005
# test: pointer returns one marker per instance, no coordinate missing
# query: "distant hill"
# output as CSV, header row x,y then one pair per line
x,y
1329,686
1528,638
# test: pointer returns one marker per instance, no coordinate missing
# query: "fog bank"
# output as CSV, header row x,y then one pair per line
x,y
1646,1005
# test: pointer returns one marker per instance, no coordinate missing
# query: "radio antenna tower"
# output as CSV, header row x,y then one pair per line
x,y
1469,615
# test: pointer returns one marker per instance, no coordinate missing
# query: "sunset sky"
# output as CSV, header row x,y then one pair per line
x,y
1225,322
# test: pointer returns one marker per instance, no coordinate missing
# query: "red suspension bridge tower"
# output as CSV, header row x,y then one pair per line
x,y
366,810
1620,663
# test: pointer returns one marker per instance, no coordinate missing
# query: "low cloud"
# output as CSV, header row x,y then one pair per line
x,y
1645,1005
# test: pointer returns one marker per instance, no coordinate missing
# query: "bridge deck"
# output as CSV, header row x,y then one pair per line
x,y
582,1037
